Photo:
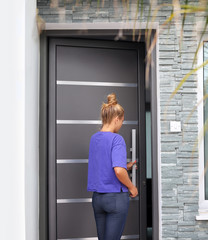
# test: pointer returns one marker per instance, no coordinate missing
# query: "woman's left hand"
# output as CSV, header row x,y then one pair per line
x,y
130,165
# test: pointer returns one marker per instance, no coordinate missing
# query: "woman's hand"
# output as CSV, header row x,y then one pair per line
x,y
133,191
130,165
123,177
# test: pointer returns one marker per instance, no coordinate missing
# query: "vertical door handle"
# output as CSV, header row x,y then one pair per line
x,y
134,156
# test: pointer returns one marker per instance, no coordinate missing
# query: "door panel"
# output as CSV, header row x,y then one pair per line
x,y
83,106
72,173
132,223
96,64
75,220
81,75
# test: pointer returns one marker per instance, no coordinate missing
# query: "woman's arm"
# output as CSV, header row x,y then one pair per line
x,y
123,177
130,165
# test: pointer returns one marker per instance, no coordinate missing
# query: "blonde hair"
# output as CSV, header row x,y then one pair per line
x,y
111,109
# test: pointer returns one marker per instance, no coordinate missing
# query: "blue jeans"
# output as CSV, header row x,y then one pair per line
x,y
110,210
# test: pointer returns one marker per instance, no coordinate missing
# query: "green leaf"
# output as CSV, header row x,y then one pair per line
x,y
186,77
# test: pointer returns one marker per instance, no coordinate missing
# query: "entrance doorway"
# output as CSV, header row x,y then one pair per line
x,y
81,75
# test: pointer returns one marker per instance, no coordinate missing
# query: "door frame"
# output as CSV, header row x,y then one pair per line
x,y
43,130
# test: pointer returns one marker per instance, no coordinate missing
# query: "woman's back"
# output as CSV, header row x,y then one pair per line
x,y
107,150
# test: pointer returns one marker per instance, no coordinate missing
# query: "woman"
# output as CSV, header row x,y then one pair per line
x,y
107,173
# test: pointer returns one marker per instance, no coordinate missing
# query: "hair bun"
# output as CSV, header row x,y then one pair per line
x,y
112,99
111,109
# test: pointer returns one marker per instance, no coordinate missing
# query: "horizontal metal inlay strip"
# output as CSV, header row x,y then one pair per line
x,y
59,161
72,161
85,200
91,122
102,84
95,238
130,237
76,200
92,238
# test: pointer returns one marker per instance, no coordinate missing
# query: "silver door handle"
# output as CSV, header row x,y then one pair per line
x,y
134,156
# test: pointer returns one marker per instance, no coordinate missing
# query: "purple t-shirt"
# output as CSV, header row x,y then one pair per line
x,y
107,150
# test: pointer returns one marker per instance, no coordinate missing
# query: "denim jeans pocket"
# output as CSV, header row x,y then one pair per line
x,y
109,203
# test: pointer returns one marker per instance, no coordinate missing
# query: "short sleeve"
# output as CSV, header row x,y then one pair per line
x,y
119,152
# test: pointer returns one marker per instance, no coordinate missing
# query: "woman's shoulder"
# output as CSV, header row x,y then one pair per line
x,y
118,139
114,136
102,135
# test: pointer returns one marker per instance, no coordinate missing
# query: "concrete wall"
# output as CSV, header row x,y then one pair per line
x,y
31,122
19,121
179,168
12,140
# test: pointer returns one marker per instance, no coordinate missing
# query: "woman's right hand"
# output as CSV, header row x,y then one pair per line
x,y
123,177
133,191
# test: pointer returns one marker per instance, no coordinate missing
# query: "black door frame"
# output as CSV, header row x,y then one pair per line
x,y
44,130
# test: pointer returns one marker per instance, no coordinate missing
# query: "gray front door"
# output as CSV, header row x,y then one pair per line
x,y
81,75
